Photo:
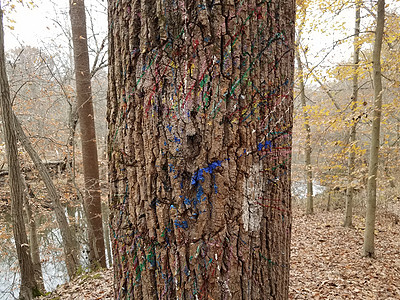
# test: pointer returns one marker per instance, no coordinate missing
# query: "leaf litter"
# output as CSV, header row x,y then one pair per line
x,y
326,262
90,286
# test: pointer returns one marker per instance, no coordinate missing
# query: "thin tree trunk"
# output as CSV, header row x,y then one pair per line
x,y
33,238
200,116
72,122
328,206
106,214
92,200
307,146
308,149
369,236
28,287
68,236
71,167
348,222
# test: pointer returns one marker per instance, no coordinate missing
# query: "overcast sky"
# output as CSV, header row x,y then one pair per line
x,y
37,26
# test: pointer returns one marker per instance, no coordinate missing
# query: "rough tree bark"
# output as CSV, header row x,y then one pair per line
x,y
369,235
28,287
348,221
68,236
200,117
92,201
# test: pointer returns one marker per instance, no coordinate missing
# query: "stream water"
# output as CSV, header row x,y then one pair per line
x,y
53,267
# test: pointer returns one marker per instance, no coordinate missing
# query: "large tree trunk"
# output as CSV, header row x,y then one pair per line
x,y
369,235
200,117
348,221
28,287
92,201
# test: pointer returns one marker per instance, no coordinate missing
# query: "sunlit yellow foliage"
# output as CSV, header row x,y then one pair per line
x,y
328,77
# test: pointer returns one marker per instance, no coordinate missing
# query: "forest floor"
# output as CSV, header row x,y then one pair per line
x,y
91,286
326,262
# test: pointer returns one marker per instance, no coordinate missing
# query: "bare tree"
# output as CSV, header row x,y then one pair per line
x,y
348,222
307,127
68,236
33,238
307,146
369,235
92,200
29,287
